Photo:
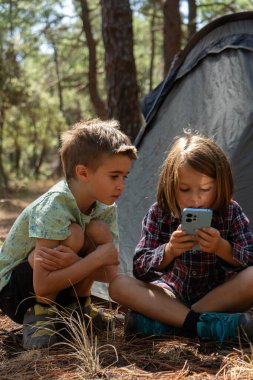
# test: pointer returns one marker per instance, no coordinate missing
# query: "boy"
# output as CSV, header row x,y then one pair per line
x,y
68,237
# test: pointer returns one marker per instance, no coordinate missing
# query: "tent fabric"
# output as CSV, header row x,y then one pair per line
x,y
234,33
210,91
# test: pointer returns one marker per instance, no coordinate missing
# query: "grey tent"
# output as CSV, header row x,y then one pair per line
x,y
210,90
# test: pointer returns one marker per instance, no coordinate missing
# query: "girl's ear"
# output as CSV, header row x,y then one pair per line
x,y
82,172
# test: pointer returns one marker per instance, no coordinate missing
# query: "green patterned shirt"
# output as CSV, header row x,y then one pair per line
x,y
49,217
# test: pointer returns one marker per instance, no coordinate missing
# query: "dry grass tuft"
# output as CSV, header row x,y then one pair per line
x,y
78,336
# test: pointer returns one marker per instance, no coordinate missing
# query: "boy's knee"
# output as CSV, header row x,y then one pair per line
x,y
76,239
99,232
111,272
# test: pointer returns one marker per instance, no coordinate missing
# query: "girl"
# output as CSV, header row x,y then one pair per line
x,y
203,292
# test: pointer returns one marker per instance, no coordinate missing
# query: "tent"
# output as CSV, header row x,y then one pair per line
x,y
210,89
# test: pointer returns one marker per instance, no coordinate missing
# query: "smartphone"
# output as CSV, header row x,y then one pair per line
x,y
195,218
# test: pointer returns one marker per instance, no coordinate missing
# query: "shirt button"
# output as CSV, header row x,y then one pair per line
x,y
194,273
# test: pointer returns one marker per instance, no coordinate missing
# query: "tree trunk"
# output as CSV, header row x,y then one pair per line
x,y
121,83
39,161
57,71
98,104
172,32
153,45
3,177
192,18
58,169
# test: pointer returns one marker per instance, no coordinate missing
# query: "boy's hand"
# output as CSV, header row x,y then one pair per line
x,y
209,239
52,259
108,254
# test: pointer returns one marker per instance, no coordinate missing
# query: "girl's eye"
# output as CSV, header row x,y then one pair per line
x,y
184,190
206,189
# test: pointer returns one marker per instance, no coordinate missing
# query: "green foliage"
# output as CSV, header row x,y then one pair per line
x,y
44,71
208,10
143,48
30,131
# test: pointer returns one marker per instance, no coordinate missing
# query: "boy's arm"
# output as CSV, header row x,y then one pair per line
x,y
47,282
41,243
52,259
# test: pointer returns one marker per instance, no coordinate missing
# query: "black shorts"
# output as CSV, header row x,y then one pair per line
x,y
18,295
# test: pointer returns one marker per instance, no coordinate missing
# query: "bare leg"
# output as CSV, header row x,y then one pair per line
x,y
148,299
97,233
76,240
234,295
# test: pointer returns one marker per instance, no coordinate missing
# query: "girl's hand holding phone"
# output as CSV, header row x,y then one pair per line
x,y
180,242
209,239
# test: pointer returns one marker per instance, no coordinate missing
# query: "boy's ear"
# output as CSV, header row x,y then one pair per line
x,y
82,172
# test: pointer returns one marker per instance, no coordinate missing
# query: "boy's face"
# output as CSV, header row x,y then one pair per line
x,y
107,183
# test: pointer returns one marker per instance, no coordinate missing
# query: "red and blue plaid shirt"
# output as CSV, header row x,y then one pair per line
x,y
194,273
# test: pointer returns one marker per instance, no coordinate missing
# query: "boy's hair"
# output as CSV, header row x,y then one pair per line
x,y
89,141
203,155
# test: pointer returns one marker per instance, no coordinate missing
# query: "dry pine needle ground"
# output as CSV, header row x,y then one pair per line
x,y
115,358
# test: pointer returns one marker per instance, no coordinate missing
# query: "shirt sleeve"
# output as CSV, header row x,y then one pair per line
x,y
149,251
241,238
50,218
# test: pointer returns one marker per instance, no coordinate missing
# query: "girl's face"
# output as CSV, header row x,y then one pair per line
x,y
195,189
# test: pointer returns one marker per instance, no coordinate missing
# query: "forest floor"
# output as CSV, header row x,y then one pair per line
x,y
110,356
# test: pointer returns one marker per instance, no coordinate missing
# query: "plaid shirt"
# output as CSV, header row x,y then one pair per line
x,y
194,273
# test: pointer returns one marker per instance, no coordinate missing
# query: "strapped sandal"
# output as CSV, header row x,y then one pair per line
x,y
38,327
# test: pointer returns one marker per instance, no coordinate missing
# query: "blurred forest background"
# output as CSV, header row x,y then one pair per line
x,y
66,60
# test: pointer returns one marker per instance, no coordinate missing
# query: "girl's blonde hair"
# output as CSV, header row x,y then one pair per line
x,y
88,142
203,155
